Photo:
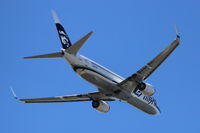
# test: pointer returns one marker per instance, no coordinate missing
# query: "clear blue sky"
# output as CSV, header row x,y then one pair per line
x,y
127,34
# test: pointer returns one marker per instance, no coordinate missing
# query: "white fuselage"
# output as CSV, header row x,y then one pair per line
x,y
106,81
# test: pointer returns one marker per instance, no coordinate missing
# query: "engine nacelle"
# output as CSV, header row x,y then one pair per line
x,y
146,89
101,106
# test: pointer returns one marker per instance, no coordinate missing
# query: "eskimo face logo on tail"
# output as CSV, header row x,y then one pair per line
x,y
63,36
64,39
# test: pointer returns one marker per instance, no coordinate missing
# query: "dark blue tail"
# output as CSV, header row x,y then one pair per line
x,y
65,41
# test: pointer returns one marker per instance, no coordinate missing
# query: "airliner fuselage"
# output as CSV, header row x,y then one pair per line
x,y
106,81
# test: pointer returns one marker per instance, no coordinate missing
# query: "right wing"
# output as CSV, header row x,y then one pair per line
x,y
150,67
131,82
70,98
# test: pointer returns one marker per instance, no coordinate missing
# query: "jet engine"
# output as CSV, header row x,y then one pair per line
x,y
101,106
146,89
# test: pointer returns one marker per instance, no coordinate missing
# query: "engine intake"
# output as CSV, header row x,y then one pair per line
x,y
146,89
101,106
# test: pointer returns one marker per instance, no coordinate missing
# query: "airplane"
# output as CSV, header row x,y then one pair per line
x,y
111,87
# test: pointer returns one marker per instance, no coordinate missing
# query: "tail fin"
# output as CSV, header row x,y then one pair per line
x,y
65,41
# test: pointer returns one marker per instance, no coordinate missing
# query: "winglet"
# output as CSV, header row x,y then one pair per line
x,y
176,30
14,94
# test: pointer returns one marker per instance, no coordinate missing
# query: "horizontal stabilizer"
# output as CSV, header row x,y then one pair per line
x,y
51,55
76,46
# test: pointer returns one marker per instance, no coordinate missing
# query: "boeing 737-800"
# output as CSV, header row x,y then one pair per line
x,y
133,90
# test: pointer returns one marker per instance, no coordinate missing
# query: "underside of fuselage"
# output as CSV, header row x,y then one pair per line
x,y
110,88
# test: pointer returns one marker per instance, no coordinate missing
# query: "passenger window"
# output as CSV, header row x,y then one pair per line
x,y
86,61
80,59
94,65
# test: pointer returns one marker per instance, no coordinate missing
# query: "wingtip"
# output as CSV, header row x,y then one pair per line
x,y
13,93
90,33
26,57
177,32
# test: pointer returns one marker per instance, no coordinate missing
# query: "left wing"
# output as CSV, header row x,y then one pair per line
x,y
70,98
131,82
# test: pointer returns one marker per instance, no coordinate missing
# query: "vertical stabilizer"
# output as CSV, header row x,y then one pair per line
x,y
65,41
